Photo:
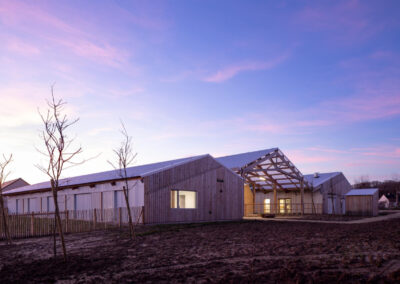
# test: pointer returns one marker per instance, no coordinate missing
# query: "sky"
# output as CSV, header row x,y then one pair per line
x,y
318,79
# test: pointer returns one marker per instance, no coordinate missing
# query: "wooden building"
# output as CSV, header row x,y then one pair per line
x,y
192,189
195,189
362,202
273,185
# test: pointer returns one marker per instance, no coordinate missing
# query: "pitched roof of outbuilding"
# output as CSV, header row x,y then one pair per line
x,y
362,191
9,185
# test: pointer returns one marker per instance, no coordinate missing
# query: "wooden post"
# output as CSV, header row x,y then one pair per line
x,y
275,206
120,217
302,195
32,225
94,219
66,220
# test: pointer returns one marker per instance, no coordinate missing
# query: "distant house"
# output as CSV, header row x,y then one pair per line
x,y
15,183
383,202
11,184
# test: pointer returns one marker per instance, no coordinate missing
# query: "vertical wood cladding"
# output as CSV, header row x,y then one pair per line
x,y
219,193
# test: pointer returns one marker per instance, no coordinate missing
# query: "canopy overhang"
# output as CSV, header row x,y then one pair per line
x,y
273,171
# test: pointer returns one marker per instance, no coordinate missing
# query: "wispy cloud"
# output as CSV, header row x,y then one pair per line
x,y
343,22
233,70
21,47
44,25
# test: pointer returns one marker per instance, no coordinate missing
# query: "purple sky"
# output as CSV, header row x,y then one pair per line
x,y
318,79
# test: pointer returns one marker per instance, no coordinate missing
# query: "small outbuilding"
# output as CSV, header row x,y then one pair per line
x,y
362,202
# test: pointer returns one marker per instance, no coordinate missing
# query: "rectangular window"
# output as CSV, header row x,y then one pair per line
x,y
267,205
183,199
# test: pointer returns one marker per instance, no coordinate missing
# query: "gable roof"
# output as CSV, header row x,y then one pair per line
x,y
383,198
8,183
362,191
11,184
322,177
265,169
132,172
238,161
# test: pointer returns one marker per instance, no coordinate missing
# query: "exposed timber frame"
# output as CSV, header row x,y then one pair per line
x,y
274,172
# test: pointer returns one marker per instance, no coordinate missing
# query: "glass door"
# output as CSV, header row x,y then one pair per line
x,y
285,206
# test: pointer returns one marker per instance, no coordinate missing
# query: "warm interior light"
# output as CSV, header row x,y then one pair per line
x,y
263,178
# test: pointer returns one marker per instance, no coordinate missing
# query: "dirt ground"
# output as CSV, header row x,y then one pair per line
x,y
233,252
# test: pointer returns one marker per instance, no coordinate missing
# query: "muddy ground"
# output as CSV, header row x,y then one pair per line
x,y
248,251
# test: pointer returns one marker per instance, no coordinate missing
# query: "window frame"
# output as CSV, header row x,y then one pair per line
x,y
177,199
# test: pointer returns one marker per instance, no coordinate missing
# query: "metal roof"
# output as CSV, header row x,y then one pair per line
x,y
265,169
322,177
238,161
137,171
363,191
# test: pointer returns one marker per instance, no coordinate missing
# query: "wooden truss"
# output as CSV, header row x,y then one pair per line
x,y
272,172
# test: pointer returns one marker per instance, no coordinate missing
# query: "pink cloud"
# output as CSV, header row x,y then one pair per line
x,y
327,150
307,157
42,24
373,104
267,127
231,71
21,47
317,122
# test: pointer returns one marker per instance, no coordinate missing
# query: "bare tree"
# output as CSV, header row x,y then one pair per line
x,y
124,158
311,188
332,194
58,151
3,177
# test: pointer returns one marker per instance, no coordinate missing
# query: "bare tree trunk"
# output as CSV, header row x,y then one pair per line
x,y
58,220
333,203
5,217
131,229
312,200
125,157
54,237
3,176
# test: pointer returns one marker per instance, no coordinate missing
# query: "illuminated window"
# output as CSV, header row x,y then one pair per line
x,y
183,199
267,205
285,206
